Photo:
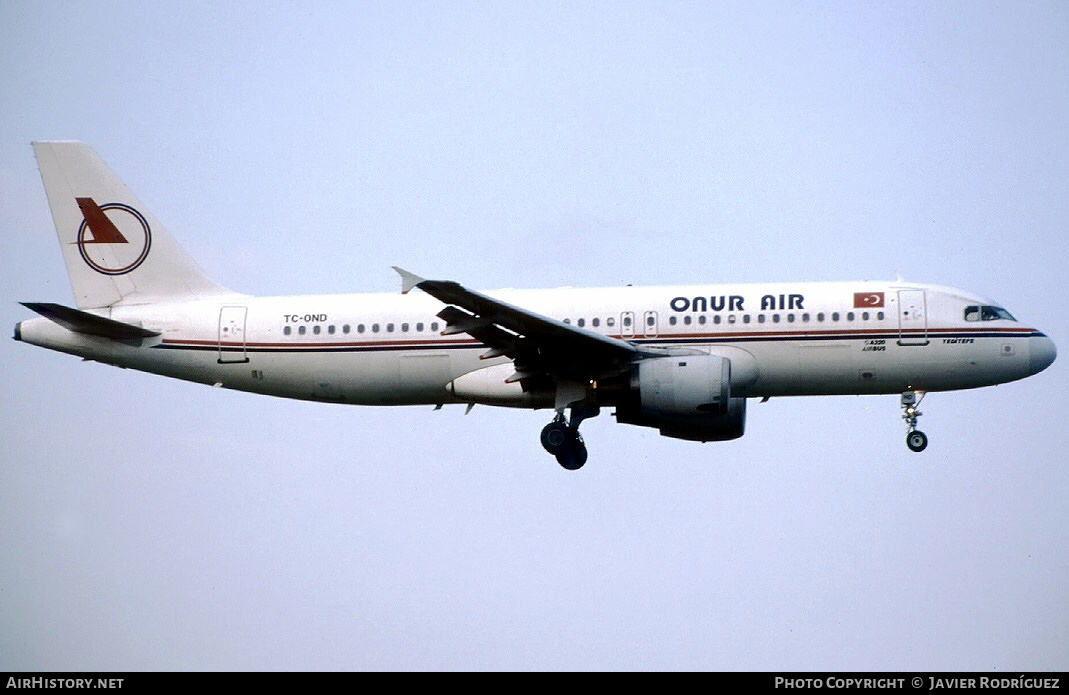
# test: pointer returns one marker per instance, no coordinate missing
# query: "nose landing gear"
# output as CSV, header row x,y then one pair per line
x,y
915,439
562,439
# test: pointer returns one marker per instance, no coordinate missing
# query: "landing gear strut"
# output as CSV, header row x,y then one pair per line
x,y
562,439
915,439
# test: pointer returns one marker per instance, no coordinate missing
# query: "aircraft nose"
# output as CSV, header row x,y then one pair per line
x,y
1041,353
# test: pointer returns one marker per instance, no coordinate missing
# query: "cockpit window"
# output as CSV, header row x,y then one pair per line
x,y
987,313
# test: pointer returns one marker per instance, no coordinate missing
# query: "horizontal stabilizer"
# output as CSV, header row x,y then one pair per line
x,y
90,324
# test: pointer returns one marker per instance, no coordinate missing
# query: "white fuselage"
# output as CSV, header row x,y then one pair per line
x,y
388,349
683,360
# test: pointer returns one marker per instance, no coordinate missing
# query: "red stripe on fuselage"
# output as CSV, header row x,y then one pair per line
x,y
857,334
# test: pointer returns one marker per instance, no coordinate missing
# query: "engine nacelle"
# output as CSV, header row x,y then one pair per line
x,y
685,398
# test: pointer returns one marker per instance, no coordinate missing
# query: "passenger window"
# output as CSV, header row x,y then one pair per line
x,y
701,319
434,326
595,322
610,322
419,327
345,329
581,323
760,318
389,328
374,328
686,320
746,318
835,316
790,318
287,330
404,328
360,328
879,315
671,320
716,319
301,330
820,316
627,321
731,318
805,318
849,316
315,329
864,316
775,318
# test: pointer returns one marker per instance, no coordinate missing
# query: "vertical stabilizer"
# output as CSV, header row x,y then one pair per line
x,y
116,251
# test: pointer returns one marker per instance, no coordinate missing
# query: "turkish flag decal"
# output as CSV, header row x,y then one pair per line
x,y
868,300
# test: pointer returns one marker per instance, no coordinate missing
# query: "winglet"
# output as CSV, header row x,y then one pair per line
x,y
408,280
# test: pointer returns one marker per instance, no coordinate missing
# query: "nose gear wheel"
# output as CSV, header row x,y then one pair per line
x,y
916,440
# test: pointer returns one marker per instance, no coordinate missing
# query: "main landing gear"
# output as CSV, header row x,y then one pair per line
x,y
562,439
915,439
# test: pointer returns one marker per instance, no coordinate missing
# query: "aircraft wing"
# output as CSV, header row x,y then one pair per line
x,y
538,345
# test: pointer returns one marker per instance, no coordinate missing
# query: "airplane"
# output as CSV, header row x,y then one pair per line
x,y
683,360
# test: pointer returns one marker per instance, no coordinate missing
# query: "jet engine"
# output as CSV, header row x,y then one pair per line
x,y
685,398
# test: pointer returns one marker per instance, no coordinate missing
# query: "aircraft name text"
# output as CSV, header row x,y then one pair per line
x,y
736,302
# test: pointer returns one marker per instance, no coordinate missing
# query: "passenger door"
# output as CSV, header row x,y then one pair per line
x,y
232,334
912,318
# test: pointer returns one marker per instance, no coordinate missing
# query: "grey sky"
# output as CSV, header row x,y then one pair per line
x,y
153,524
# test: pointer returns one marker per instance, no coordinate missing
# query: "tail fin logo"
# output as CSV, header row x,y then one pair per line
x,y
113,238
